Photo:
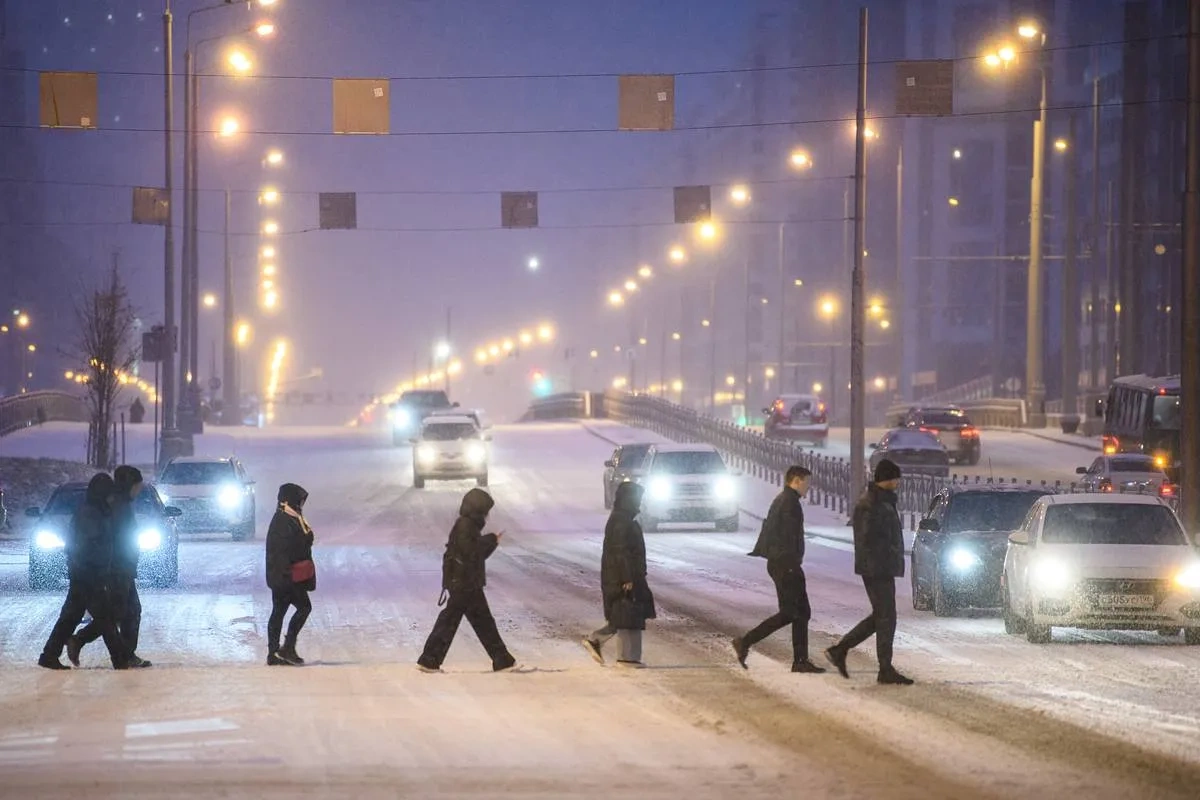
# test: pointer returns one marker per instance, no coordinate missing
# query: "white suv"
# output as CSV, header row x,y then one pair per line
x,y
450,448
215,494
1103,562
688,483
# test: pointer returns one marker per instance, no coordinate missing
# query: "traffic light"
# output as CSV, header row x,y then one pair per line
x,y
541,384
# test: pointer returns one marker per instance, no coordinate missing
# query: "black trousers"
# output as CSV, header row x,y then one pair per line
x,y
792,591
91,597
474,606
281,600
882,621
125,610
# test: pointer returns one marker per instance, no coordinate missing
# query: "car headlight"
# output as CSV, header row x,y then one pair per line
x,y
48,540
426,454
401,418
660,489
476,454
1189,577
1052,576
962,559
228,497
149,539
725,488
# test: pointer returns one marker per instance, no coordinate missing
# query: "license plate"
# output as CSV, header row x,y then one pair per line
x,y
1125,600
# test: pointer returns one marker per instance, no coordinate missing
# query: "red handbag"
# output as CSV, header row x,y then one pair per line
x,y
303,571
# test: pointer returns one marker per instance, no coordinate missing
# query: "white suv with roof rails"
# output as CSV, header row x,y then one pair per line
x,y
688,483
450,447
214,494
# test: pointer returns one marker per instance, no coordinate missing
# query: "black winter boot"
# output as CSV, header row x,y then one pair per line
x,y
50,662
288,654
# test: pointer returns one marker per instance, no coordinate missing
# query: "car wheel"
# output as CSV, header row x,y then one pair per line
x,y
418,482
730,524
1036,634
482,480
919,602
1191,636
1012,623
649,524
942,607
974,458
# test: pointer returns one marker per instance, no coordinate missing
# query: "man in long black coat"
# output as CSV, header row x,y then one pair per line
x,y
879,559
464,576
628,602
89,549
126,605
781,542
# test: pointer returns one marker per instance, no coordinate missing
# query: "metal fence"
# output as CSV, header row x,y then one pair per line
x,y
24,410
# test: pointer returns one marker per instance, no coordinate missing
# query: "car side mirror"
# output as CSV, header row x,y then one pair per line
x,y
767,411
609,464
454,405
931,525
172,512
1019,537
1081,470
33,512
873,445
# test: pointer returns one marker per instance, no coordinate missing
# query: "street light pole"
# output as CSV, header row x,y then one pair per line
x,y
1070,289
1190,362
229,367
782,311
169,234
186,309
1035,388
858,396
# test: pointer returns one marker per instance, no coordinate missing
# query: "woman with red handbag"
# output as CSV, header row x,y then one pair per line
x,y
291,574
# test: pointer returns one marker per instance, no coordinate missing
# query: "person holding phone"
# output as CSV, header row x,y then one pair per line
x,y
464,576
291,574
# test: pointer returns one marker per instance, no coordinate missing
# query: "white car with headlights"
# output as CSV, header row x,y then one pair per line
x,y
450,448
1101,562
214,494
157,538
688,483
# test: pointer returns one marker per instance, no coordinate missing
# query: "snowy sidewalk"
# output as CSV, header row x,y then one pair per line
x,y
1072,439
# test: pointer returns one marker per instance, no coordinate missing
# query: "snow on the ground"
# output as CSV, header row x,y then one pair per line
x,y
1106,715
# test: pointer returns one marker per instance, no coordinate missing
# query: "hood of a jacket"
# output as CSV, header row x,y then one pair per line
x,y
879,494
126,477
476,504
292,494
629,498
100,490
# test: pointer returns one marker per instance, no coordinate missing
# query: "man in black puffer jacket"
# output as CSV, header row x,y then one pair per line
x,y
879,559
464,576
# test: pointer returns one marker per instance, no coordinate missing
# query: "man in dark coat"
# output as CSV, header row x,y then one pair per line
x,y
781,542
89,548
464,576
628,602
289,542
879,559
126,606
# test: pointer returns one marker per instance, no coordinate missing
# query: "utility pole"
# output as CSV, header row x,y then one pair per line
x,y
450,353
858,394
1070,282
1190,365
168,377
782,311
1094,241
712,345
229,367
1035,386
902,381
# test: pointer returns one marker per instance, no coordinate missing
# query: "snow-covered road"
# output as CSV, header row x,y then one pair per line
x,y
1109,715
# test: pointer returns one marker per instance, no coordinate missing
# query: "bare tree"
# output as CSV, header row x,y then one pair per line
x,y
106,350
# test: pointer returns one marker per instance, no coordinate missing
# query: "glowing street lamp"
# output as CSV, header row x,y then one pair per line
x,y
268,270
677,254
274,157
616,299
270,228
645,272
631,286
533,264
676,336
1060,145
740,195
239,61
242,334
526,338
22,320
828,307
801,159
442,351
264,29
708,231
269,196
1028,30
545,333
271,300
268,252
228,127
210,300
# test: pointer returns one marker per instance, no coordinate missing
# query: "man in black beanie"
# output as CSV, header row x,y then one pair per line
x,y
879,559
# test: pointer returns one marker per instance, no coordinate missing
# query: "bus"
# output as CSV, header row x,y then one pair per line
x,y
1142,414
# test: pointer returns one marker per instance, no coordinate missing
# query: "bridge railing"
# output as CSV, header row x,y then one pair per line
x,y
21,411
994,412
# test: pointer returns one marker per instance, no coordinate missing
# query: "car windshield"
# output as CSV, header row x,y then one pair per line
x,y
450,432
197,473
1166,412
425,399
912,440
944,418
688,462
632,456
65,501
988,511
1111,523
1134,464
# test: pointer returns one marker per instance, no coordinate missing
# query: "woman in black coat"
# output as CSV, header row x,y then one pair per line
x,y
628,602
291,574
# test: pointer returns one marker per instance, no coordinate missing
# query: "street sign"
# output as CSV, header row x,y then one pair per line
x,y
693,204
338,210
214,384
155,342
67,99
925,88
646,102
361,105
519,209
151,206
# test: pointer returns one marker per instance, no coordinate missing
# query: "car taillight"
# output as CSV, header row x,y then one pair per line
x,y
969,433
1166,490
1106,485
924,429
1111,443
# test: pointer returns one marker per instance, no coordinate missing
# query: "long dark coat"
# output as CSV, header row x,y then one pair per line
x,y
464,563
623,561
288,543
878,535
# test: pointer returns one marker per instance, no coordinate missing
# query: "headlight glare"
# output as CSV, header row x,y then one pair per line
x,y
660,488
401,418
426,454
476,453
1189,577
48,540
963,559
228,497
1052,576
149,539
725,488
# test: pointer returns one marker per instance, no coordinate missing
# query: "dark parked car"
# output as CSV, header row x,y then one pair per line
x,y
914,451
157,537
953,429
411,410
628,463
797,418
958,553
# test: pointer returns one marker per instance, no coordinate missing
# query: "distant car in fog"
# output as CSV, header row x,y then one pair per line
x,y
450,448
1136,473
627,463
952,427
914,451
215,495
689,483
158,538
474,414
407,413
797,418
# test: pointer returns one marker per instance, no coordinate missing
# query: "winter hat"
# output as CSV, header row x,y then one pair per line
x,y
127,477
293,495
100,488
886,470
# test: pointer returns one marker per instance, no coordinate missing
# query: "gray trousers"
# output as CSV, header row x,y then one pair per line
x,y
630,641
